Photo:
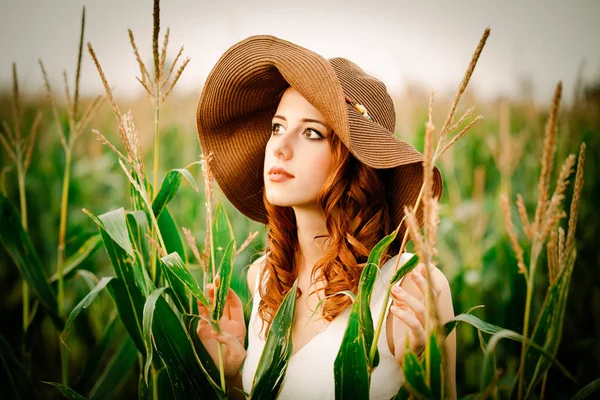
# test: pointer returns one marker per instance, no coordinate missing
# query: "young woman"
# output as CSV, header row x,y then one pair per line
x,y
306,145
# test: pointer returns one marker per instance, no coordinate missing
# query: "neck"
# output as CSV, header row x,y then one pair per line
x,y
310,223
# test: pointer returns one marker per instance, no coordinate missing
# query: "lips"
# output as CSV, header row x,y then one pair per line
x,y
280,171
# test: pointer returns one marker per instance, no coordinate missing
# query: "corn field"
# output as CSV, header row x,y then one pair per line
x,y
111,228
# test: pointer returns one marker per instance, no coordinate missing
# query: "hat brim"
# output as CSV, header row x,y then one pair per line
x,y
240,97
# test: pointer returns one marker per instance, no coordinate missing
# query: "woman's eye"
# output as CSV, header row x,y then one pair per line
x,y
313,134
277,129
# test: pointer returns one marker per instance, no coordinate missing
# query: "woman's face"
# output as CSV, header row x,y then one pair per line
x,y
299,148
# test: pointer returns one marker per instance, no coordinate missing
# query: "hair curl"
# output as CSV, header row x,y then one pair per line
x,y
355,207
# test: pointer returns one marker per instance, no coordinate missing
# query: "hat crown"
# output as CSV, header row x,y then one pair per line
x,y
364,89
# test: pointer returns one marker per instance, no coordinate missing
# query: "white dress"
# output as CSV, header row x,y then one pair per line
x,y
310,371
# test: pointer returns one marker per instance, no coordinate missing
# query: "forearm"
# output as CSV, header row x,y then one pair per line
x,y
235,386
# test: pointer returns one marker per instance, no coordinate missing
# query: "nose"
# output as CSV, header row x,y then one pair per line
x,y
283,147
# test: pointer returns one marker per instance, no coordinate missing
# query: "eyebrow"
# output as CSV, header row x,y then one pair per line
x,y
303,120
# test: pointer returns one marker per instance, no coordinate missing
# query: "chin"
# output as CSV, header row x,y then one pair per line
x,y
286,200
281,201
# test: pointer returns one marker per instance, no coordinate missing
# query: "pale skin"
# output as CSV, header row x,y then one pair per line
x,y
298,145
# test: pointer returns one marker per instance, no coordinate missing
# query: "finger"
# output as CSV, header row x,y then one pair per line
x,y
435,285
407,316
402,296
234,306
227,308
210,293
422,285
420,282
233,346
202,323
203,310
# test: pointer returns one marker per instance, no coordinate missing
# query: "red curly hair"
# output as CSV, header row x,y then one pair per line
x,y
355,208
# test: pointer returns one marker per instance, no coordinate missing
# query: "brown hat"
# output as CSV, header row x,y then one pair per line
x,y
241,95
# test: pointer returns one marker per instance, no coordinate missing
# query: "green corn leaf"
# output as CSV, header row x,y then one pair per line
x,y
169,188
367,281
129,291
84,303
435,373
67,391
145,391
414,374
166,223
191,323
225,272
487,372
170,234
176,270
587,390
126,259
116,372
87,249
472,320
88,277
405,269
137,221
548,328
351,379
18,245
497,334
128,304
222,235
164,387
147,327
21,386
173,243
179,293
114,223
176,350
93,363
351,369
380,248
276,354
365,289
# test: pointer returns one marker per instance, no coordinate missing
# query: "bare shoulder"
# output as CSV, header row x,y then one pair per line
x,y
253,272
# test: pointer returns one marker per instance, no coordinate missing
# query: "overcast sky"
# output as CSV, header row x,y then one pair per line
x,y
427,42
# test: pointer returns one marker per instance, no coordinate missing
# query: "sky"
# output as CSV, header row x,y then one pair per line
x,y
424,42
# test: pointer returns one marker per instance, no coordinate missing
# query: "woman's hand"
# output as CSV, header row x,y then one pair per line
x,y
233,332
408,307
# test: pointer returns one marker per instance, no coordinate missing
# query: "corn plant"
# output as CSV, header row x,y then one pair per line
x,y
19,148
76,126
49,293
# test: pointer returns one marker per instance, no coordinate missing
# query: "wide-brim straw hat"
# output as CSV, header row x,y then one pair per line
x,y
241,95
